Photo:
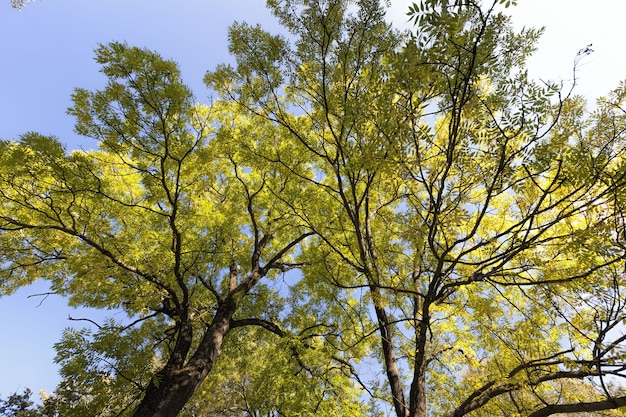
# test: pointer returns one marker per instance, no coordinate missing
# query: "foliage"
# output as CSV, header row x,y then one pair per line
x,y
471,212
17,405
161,222
449,219
263,379
49,405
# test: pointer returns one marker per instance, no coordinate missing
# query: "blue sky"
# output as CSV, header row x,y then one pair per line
x,y
46,51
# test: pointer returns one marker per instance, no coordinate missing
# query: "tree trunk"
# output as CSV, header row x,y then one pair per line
x,y
393,374
171,389
417,396
417,393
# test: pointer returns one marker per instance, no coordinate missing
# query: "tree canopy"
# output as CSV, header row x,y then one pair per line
x,y
362,221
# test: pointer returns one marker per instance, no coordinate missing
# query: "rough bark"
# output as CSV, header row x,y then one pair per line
x,y
391,366
417,394
172,388
608,404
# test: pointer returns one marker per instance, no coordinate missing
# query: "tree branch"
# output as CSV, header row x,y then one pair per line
x,y
587,407
266,324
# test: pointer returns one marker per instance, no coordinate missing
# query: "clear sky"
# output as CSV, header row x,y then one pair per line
x,y
46,50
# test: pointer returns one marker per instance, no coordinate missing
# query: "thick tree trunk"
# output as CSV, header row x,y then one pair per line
x,y
167,396
168,393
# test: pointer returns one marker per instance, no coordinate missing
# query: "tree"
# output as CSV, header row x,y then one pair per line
x,y
60,403
170,221
18,405
475,213
451,219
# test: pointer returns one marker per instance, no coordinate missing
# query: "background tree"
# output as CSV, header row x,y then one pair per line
x,y
475,213
18,405
65,398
